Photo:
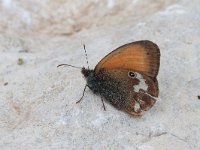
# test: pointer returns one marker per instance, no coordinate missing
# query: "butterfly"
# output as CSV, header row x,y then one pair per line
x,y
127,77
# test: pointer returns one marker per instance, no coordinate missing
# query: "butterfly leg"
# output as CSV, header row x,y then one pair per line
x,y
103,103
82,95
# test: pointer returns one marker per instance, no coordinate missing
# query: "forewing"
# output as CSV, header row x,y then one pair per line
x,y
142,56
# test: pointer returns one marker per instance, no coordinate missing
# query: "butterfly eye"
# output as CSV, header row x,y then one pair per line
x,y
132,74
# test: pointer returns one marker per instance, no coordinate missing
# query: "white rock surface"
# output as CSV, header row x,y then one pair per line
x,y
38,107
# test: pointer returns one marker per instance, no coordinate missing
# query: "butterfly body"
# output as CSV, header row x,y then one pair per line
x,y
126,77
92,81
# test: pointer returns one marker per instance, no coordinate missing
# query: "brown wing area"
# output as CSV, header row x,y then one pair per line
x,y
119,89
142,56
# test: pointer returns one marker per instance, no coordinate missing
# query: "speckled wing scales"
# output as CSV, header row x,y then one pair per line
x,y
133,95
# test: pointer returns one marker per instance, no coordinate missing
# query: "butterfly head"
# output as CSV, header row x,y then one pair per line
x,y
87,72
91,79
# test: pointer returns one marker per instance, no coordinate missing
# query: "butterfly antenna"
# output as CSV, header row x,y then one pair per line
x,y
86,55
68,65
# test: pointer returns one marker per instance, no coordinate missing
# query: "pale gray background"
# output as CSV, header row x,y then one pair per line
x,y
37,107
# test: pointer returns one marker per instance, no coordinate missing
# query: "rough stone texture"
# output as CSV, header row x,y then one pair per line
x,y
37,100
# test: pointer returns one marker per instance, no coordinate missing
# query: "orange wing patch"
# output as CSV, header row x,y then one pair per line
x,y
142,56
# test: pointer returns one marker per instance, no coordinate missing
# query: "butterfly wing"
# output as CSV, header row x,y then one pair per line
x,y
141,56
130,94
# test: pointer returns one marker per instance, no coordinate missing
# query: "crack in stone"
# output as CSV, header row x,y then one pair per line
x,y
151,136
181,139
